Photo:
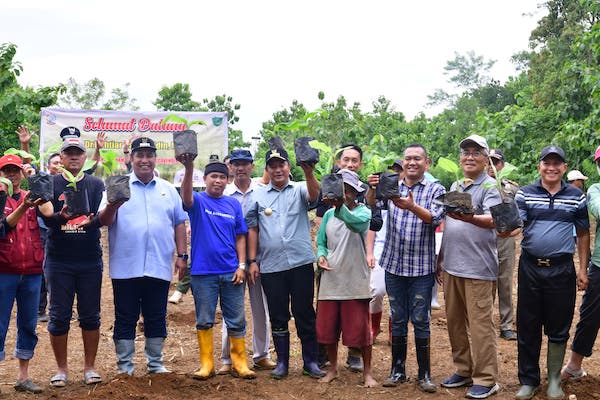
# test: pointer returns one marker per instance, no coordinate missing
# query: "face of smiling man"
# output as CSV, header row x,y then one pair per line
x,y
143,163
552,169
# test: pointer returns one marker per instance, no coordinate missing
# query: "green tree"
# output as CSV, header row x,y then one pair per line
x,y
225,103
19,105
176,98
92,95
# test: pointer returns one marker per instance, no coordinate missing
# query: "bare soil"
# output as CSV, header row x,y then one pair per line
x,y
181,356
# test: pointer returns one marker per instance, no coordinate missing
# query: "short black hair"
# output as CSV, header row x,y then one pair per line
x,y
418,145
347,146
51,157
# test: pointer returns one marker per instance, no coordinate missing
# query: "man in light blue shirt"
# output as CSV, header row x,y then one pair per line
x,y
279,246
143,234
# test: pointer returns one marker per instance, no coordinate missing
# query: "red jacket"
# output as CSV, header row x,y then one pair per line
x,y
21,250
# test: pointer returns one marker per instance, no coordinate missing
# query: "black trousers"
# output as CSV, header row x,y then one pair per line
x,y
589,315
295,286
546,298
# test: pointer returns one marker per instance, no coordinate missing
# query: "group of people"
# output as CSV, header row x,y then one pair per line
x,y
257,234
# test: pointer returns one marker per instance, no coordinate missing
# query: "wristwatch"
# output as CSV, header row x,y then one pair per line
x,y
251,260
242,266
184,256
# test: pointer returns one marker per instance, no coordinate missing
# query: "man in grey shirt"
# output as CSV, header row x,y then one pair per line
x,y
469,258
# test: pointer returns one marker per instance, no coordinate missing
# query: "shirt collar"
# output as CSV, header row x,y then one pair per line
x,y
133,178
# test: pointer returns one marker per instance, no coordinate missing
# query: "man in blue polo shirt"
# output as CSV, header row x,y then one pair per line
x,y
141,269
280,247
547,277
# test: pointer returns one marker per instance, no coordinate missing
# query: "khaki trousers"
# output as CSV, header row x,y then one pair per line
x,y
469,310
506,259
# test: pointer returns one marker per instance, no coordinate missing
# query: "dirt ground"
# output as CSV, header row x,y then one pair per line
x,y
181,356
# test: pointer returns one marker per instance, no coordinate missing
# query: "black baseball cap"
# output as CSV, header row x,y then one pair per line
x,y
280,154
143,143
548,150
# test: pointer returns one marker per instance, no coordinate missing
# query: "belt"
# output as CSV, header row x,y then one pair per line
x,y
549,261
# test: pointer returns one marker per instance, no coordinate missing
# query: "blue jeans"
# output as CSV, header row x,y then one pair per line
x,y
207,289
25,289
410,297
65,280
148,295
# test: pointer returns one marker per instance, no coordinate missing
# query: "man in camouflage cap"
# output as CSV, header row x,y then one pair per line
x,y
506,254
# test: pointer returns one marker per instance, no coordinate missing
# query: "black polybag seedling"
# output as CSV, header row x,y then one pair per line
x,y
185,142
77,202
41,186
305,154
388,186
332,187
117,188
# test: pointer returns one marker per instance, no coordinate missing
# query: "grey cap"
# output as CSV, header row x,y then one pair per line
x,y
72,141
351,178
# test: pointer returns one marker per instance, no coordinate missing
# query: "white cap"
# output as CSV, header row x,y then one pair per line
x,y
476,140
576,175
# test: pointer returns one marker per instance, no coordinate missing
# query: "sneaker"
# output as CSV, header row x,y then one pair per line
x,y
457,381
27,386
508,334
43,317
482,392
354,364
175,297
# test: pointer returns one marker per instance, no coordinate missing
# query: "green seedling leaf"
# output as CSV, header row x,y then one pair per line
x,y
21,153
109,161
73,179
196,122
9,185
448,165
175,118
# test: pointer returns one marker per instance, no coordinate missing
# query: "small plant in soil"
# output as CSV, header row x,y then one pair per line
x,y
186,141
76,199
455,201
506,214
332,184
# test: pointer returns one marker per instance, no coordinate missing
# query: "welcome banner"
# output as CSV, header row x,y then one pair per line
x,y
122,125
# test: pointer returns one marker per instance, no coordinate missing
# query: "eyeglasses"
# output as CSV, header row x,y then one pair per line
x,y
474,154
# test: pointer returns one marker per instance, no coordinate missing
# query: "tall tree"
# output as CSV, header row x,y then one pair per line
x,y
19,105
176,98
92,95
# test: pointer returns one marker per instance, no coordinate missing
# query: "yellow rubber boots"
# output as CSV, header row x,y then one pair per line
x,y
238,359
205,344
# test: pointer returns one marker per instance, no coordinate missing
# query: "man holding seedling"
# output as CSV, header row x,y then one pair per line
x,y
73,263
21,257
141,269
218,264
241,166
469,258
349,156
548,280
506,254
280,249
409,261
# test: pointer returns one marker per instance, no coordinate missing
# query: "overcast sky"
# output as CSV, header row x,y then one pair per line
x,y
265,53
